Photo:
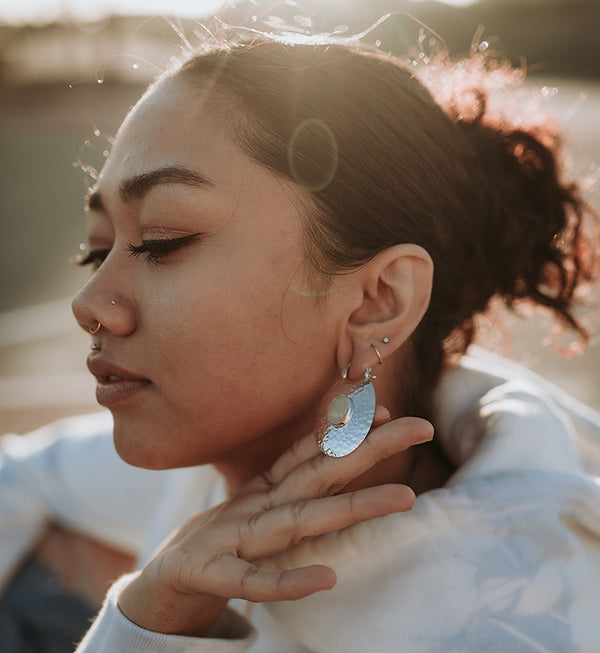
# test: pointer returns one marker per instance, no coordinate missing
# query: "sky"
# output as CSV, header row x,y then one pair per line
x,y
42,11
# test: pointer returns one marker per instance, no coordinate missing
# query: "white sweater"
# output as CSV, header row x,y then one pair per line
x,y
505,557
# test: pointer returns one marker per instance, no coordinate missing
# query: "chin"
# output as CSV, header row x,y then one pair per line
x,y
148,445
137,445
138,457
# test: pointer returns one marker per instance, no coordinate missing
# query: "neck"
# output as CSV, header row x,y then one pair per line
x,y
423,467
257,457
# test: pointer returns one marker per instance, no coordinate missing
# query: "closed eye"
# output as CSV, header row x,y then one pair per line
x,y
94,258
156,250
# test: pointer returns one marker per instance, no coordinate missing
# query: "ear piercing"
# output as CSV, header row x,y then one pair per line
x,y
94,347
378,354
346,412
346,415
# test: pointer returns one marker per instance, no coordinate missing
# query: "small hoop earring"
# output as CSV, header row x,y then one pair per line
x,y
378,354
95,331
94,347
345,415
113,302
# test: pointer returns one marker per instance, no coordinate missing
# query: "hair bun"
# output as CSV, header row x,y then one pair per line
x,y
531,220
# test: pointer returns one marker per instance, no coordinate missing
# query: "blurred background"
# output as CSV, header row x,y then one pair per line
x,y
69,71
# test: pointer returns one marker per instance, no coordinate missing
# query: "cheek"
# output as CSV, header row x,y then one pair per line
x,y
240,340
215,333
231,367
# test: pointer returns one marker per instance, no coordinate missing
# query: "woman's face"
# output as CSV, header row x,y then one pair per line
x,y
211,346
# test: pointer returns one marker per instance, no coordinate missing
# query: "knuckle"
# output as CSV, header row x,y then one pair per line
x,y
335,487
382,454
352,501
253,523
267,478
296,449
213,561
297,539
297,510
271,497
246,580
331,486
316,465
378,451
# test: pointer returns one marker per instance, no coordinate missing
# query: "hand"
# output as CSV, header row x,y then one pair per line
x,y
217,555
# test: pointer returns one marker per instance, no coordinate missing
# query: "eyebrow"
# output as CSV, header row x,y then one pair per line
x,y
140,185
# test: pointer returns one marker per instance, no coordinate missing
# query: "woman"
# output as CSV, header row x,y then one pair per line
x,y
274,217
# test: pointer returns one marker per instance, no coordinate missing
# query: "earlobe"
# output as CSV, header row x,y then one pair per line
x,y
396,289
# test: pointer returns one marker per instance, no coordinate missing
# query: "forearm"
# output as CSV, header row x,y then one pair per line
x,y
82,565
69,473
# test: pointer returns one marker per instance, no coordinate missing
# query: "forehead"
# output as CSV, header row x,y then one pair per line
x,y
168,136
172,125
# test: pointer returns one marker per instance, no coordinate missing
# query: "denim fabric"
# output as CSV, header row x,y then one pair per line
x,y
38,615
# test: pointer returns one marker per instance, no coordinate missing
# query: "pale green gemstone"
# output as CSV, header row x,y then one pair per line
x,y
339,410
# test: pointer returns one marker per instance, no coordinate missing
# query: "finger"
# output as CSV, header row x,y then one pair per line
x,y
322,475
286,526
305,448
232,577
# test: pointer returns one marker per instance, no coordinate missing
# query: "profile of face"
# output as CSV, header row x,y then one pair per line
x,y
211,345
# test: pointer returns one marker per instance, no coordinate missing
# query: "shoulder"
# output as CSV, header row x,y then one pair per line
x,y
506,562
505,557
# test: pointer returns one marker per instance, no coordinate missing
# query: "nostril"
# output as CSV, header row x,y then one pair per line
x,y
104,308
82,316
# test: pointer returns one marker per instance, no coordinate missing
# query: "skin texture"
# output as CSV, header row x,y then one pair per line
x,y
229,354
226,309
83,565
217,555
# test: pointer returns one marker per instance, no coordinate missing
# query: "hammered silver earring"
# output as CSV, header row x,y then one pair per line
x,y
346,415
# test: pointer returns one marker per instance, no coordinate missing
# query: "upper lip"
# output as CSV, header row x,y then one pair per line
x,y
103,368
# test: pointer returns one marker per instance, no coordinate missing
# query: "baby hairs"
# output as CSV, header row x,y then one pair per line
x,y
384,163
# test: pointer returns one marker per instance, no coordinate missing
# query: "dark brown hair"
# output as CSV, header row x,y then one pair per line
x,y
385,164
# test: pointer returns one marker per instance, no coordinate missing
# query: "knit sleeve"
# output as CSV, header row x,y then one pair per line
x,y
112,632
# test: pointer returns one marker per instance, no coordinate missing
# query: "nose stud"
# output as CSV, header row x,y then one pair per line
x,y
94,331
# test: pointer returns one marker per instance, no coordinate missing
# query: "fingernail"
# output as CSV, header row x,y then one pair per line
x,y
427,434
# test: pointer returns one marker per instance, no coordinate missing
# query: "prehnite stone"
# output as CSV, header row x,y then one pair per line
x,y
339,410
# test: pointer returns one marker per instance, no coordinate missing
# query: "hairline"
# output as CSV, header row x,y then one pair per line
x,y
220,104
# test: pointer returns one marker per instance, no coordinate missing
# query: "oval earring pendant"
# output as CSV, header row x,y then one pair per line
x,y
345,416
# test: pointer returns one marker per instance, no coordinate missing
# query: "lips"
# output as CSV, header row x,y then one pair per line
x,y
115,384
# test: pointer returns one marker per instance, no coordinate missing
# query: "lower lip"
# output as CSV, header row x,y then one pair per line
x,y
111,393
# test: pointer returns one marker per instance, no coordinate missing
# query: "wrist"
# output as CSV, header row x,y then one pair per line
x,y
160,609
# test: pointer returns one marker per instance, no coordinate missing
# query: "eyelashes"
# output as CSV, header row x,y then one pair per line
x,y
158,249
154,251
93,258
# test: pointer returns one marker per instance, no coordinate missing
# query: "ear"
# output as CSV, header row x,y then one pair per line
x,y
393,291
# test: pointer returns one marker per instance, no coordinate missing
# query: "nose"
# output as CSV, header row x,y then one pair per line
x,y
102,305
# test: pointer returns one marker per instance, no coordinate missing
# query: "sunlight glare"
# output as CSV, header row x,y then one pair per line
x,y
44,11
